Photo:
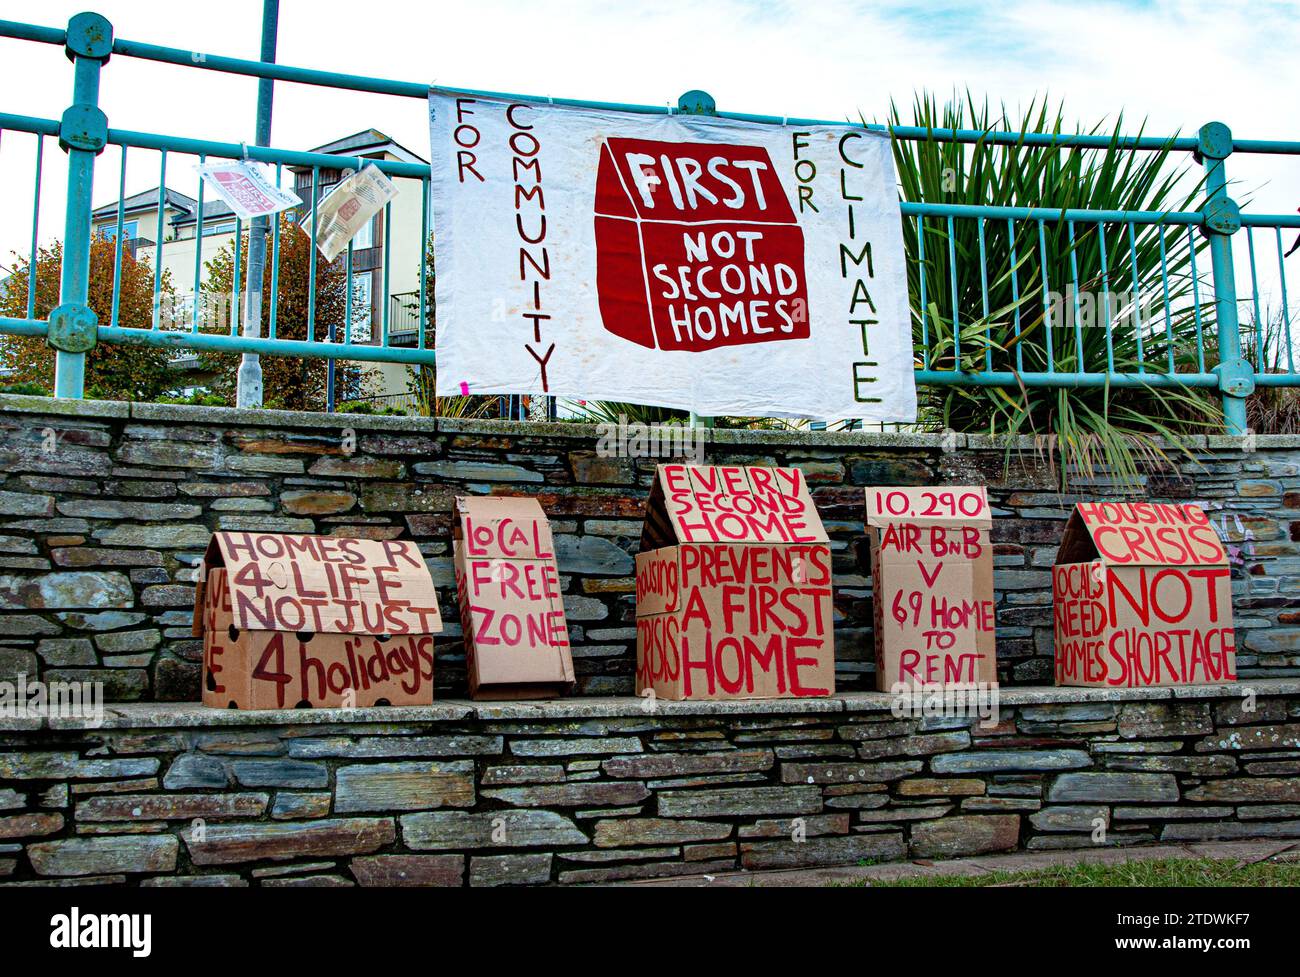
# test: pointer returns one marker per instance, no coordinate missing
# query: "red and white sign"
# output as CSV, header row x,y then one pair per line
x,y
687,261
932,586
511,604
247,189
733,586
1142,596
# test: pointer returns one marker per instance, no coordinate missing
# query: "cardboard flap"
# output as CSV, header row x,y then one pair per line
x,y
657,530
658,581
1141,534
730,504
200,601
1076,542
942,505
503,528
282,582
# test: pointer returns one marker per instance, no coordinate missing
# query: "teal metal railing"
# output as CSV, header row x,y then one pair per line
x,y
1186,329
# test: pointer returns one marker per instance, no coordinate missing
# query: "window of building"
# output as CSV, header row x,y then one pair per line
x,y
130,230
361,308
365,237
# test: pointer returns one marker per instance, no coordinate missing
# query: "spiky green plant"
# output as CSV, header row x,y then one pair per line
x,y
421,383
1015,310
613,412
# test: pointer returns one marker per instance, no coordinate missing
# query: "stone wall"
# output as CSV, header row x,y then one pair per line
x,y
104,508
596,790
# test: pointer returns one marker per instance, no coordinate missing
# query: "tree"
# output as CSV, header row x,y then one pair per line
x,y
288,382
113,371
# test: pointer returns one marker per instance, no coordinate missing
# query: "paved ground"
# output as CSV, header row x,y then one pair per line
x,y
1246,851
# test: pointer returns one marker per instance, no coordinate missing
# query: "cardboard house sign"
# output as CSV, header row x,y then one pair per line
x,y
1142,596
511,608
733,587
290,621
932,586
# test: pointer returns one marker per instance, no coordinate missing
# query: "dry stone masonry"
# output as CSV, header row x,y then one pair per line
x,y
104,509
597,790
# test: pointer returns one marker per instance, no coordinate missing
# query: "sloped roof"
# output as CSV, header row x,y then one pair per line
x,y
147,200
182,206
367,142
212,209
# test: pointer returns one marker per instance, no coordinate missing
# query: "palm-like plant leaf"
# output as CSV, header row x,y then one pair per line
x,y
1014,311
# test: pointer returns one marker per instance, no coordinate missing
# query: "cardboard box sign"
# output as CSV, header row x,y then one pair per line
x,y
932,586
733,587
511,608
291,621
697,246
1142,596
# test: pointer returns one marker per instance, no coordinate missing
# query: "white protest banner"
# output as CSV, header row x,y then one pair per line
x,y
246,189
686,261
347,207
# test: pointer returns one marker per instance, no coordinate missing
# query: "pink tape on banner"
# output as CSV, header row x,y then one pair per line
x,y
464,389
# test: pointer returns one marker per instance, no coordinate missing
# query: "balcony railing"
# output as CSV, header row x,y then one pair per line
x,y
403,318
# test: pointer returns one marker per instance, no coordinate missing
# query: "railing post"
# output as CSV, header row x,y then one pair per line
x,y
1222,219
697,102
248,387
83,133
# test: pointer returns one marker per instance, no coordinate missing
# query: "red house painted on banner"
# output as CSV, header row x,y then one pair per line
x,y
733,587
290,621
1142,596
697,246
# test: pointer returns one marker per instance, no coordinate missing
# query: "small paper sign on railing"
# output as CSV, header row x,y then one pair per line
x,y
347,208
246,189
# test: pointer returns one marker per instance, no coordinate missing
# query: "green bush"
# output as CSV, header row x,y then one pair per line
x,y
29,389
201,398
368,407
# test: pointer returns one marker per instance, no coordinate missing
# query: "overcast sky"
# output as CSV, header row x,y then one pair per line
x,y
1174,64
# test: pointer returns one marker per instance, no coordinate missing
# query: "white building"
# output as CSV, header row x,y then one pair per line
x,y
141,233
